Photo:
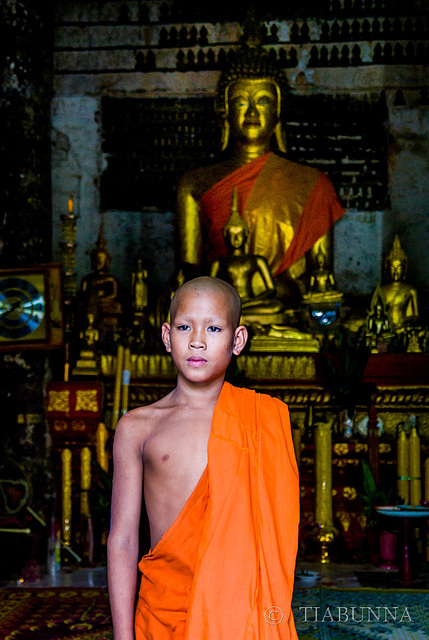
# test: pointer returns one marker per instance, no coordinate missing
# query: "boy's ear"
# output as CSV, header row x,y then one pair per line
x,y
165,334
240,339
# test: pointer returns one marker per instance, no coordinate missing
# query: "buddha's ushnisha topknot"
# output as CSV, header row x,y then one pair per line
x,y
250,60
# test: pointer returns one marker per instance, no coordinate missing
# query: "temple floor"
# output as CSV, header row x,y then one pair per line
x,y
340,575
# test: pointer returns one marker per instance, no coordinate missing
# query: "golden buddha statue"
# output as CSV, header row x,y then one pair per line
x,y
323,288
249,274
87,362
139,291
99,289
399,298
378,332
288,207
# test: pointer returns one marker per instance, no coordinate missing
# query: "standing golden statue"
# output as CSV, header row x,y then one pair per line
x,y
399,298
139,290
289,208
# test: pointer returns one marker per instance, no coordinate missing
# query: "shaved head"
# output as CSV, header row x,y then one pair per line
x,y
207,283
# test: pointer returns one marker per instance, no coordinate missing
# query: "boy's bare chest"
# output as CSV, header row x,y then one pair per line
x,y
180,439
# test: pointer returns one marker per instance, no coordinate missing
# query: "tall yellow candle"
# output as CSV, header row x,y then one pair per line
x,y
403,467
415,472
85,480
66,459
126,375
101,439
427,480
323,446
118,386
70,205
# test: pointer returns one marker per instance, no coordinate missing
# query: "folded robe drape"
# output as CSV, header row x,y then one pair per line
x,y
224,570
288,206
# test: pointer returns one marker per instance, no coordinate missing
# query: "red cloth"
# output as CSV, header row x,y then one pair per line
x,y
288,206
224,570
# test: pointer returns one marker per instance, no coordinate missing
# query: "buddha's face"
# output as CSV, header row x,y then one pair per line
x,y
320,260
396,270
252,109
236,237
100,261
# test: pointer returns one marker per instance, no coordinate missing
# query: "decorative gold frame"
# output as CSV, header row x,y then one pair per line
x,y
50,333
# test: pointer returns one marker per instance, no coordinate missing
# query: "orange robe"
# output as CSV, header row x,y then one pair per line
x,y
225,569
288,206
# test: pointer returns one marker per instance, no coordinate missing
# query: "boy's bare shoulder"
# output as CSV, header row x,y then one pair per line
x,y
138,423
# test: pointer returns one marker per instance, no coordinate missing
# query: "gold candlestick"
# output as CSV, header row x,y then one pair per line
x,y
323,474
415,477
101,439
85,480
323,447
118,385
66,459
403,466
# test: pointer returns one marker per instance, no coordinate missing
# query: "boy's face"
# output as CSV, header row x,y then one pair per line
x,y
201,337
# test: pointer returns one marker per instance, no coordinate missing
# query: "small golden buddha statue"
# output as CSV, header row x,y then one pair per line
x,y
378,332
288,207
249,274
139,291
323,288
87,362
399,298
99,289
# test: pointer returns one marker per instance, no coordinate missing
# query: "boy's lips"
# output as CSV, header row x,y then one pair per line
x,y
196,361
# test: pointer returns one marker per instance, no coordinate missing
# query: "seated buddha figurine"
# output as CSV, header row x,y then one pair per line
x,y
87,362
378,333
99,289
323,288
399,298
288,207
249,274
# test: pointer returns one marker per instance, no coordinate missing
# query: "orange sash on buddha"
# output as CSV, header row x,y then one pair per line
x,y
225,569
287,205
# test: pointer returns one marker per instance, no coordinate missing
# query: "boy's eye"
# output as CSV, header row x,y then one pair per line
x,y
183,327
213,329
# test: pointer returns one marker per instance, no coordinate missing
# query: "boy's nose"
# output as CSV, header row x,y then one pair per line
x,y
197,341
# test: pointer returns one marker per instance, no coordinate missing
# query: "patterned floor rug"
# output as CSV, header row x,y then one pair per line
x,y
324,613
321,613
55,614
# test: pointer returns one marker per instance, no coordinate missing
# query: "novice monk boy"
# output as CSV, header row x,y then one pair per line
x,y
217,468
